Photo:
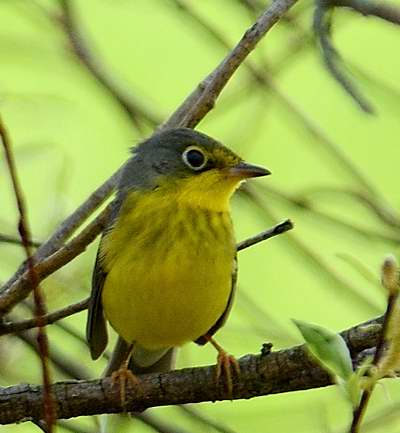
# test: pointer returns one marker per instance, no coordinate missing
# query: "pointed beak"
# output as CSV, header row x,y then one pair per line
x,y
245,170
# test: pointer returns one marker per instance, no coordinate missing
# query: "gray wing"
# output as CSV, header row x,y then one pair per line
x,y
96,329
224,316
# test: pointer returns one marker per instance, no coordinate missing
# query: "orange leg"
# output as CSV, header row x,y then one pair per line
x,y
226,365
124,376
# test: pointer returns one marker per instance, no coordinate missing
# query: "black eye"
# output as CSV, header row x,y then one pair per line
x,y
194,158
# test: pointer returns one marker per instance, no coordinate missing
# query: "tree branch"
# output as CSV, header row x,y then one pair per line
x,y
203,98
48,319
8,239
22,286
66,228
189,114
386,11
269,373
331,57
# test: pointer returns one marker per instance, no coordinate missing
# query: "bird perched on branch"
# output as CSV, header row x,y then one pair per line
x,y
165,271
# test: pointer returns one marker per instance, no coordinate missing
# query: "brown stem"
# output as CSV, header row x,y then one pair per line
x,y
40,306
360,410
48,319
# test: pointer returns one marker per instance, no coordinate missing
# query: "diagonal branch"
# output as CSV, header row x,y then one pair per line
x,y
188,114
21,288
203,98
66,229
268,373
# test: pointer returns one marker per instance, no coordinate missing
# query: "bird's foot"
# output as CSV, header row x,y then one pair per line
x,y
122,378
226,366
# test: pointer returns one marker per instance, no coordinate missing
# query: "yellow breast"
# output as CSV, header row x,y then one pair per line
x,y
169,270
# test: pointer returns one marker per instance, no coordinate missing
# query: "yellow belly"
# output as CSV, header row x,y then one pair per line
x,y
174,290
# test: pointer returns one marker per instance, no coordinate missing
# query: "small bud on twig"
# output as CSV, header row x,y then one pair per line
x,y
390,274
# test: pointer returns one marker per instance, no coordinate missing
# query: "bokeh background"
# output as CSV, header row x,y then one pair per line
x,y
335,174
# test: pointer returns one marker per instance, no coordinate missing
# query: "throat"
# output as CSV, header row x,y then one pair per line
x,y
206,202
210,191
215,199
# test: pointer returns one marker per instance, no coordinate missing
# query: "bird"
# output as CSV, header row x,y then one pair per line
x,y
166,267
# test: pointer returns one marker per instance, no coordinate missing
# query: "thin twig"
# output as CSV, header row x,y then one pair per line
x,y
48,319
8,239
359,412
274,231
386,11
40,306
390,280
332,58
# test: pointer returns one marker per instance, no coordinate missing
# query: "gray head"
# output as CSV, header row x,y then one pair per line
x,y
180,154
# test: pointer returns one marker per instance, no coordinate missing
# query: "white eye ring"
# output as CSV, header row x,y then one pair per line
x,y
194,158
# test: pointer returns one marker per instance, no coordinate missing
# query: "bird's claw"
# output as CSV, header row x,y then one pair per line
x,y
122,377
226,364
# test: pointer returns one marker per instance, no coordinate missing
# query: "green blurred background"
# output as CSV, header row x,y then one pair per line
x,y
69,135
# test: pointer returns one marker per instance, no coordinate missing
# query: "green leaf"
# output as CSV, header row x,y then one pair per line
x,y
329,349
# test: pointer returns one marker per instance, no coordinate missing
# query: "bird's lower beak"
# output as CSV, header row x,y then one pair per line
x,y
245,170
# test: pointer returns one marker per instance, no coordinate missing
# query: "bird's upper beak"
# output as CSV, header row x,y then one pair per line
x,y
244,170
